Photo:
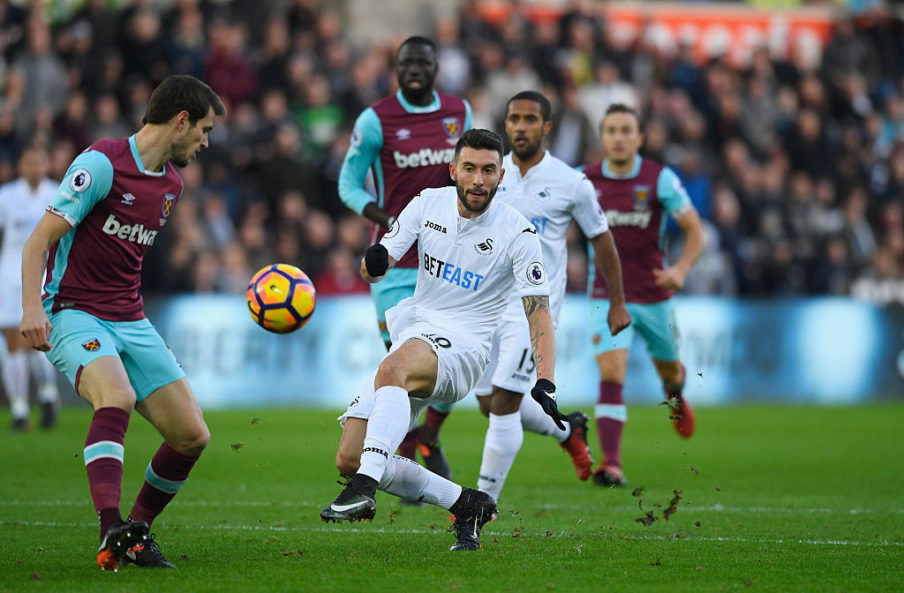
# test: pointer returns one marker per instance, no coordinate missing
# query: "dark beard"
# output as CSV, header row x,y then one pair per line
x,y
528,153
464,201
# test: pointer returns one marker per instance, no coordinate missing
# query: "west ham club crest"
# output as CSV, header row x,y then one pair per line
x,y
169,200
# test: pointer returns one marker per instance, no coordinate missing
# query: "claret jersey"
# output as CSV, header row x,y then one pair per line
x,y
636,206
468,268
116,209
550,196
407,148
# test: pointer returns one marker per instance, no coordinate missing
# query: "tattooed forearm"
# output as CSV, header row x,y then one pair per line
x,y
535,303
537,310
535,336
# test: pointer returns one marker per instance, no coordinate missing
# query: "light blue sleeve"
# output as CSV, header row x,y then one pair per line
x,y
88,181
672,194
469,116
364,149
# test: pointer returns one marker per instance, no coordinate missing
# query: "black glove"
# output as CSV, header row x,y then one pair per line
x,y
376,260
544,393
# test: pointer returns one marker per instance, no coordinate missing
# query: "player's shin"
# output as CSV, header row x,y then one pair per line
x,y
164,476
407,479
386,427
503,441
611,415
104,455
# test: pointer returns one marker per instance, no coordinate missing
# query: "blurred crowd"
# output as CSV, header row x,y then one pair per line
x,y
796,163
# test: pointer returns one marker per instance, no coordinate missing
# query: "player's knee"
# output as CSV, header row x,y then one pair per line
x,y
391,372
611,371
347,463
484,402
505,402
193,442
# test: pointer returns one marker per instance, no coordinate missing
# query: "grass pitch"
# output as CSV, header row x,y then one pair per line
x,y
768,499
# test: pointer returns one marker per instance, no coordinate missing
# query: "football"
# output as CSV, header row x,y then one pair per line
x,y
280,298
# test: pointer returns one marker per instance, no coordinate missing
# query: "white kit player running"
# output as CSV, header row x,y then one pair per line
x,y
22,204
551,195
472,255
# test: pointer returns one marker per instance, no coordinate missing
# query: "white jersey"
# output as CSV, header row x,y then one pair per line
x,y
550,196
20,210
468,267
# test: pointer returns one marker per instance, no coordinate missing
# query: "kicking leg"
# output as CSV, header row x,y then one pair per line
x,y
410,370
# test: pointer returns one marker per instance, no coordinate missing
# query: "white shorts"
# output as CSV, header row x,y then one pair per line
x,y
10,303
511,361
462,361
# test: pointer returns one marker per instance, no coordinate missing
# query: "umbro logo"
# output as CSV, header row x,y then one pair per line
x,y
403,134
128,199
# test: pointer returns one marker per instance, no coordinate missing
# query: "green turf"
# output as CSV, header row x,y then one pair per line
x,y
784,499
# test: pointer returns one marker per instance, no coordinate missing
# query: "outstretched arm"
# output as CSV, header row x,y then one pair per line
x,y
607,262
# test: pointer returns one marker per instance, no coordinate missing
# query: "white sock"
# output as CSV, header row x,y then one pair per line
x,y
386,427
46,374
504,438
15,382
408,479
534,419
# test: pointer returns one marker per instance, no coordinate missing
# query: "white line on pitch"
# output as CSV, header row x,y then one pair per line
x,y
564,507
358,530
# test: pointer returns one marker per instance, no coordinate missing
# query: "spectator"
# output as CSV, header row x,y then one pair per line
x,y
801,156
44,75
228,69
341,275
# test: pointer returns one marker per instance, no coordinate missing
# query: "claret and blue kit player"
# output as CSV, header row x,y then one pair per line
x,y
115,198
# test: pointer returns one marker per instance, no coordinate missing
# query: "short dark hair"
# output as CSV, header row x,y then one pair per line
x,y
480,139
622,108
536,97
182,92
418,40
